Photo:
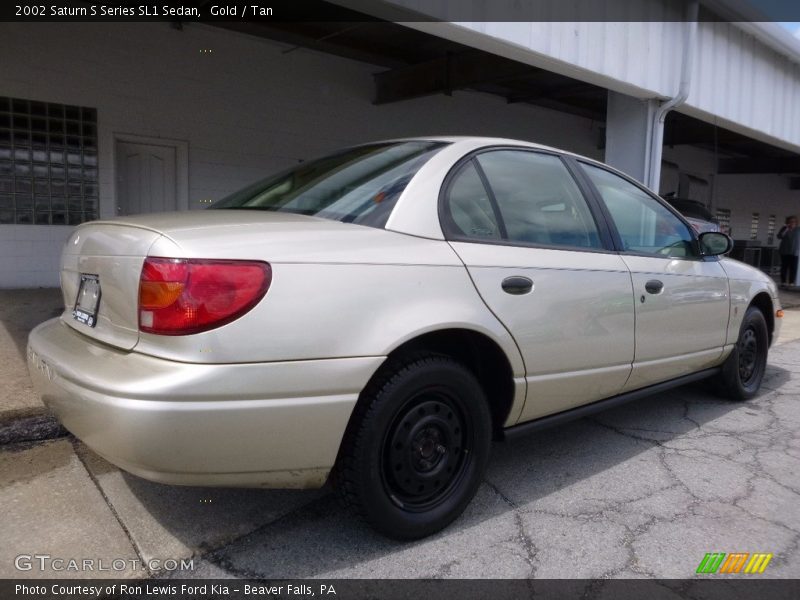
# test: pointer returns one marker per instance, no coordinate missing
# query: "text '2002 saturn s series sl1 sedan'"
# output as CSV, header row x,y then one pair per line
x,y
379,315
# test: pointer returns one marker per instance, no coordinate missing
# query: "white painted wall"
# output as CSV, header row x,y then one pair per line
x,y
29,254
246,109
764,194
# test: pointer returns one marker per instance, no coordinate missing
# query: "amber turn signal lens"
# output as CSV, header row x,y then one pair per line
x,y
779,313
158,294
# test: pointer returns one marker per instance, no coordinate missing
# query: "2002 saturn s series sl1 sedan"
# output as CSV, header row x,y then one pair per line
x,y
380,314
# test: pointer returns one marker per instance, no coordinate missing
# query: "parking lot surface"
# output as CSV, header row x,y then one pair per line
x,y
641,491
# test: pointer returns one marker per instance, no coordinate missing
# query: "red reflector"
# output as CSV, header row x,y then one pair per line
x,y
179,296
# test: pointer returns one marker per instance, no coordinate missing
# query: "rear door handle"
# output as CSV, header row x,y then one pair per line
x,y
517,285
654,286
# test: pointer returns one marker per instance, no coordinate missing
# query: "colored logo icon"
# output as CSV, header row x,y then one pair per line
x,y
735,562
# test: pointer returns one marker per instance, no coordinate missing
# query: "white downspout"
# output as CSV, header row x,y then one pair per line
x,y
687,61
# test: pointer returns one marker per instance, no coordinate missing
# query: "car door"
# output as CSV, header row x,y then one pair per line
x,y
682,299
540,256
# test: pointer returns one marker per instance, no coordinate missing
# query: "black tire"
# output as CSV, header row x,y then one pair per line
x,y
417,447
744,369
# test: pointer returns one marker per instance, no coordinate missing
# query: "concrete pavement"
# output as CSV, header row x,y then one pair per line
x,y
21,311
51,506
790,328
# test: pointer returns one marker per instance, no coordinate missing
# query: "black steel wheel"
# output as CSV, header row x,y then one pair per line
x,y
747,348
744,369
416,448
426,451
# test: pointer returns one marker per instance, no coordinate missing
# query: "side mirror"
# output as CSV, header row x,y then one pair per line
x,y
714,243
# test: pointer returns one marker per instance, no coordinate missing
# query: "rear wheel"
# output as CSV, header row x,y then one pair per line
x,y
744,369
416,450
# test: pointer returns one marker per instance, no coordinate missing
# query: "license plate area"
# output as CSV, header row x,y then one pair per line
x,y
88,300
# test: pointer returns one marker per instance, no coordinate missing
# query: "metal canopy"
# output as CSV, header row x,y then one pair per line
x,y
420,64
738,154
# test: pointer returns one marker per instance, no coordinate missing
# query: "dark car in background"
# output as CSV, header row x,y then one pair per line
x,y
695,212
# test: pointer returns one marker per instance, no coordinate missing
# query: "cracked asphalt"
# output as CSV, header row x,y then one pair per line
x,y
641,491
644,490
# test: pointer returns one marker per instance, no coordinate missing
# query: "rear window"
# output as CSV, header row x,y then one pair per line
x,y
357,185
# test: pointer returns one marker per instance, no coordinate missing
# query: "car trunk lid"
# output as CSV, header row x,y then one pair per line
x,y
112,254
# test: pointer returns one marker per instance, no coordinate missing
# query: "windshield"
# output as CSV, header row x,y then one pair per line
x,y
358,185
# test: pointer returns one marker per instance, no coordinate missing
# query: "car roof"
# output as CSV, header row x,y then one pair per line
x,y
472,140
486,141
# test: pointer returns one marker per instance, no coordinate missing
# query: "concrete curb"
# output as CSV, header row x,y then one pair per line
x,y
789,298
31,429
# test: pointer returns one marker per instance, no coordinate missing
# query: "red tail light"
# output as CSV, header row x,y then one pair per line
x,y
179,296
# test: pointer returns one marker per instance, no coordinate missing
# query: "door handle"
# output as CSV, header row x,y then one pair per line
x,y
654,286
517,285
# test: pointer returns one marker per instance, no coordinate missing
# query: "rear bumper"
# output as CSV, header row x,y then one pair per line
x,y
257,424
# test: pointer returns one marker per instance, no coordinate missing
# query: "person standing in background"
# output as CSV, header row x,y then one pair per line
x,y
789,250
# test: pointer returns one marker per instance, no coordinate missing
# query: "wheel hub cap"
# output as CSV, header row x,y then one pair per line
x,y
424,451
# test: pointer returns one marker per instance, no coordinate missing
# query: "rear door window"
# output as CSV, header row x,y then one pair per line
x,y
522,197
472,213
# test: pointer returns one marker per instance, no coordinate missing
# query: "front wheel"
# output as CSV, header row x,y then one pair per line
x,y
417,448
744,369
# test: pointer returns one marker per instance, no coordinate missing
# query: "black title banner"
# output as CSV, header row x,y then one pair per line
x,y
400,10
406,589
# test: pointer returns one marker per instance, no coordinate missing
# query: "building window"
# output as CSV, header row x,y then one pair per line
x,y
754,226
724,220
771,230
48,163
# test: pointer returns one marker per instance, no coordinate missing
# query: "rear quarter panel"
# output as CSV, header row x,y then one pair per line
x,y
344,297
